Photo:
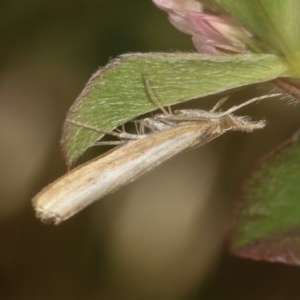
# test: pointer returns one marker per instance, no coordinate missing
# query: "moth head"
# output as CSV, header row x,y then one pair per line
x,y
243,123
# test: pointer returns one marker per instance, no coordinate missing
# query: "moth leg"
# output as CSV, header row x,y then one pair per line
x,y
152,96
219,103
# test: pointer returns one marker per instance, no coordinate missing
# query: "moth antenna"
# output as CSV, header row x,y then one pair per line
x,y
255,99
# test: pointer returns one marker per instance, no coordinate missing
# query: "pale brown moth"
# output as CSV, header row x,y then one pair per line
x,y
172,134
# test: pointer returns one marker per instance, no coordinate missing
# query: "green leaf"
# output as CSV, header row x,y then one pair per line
x,y
266,222
275,22
116,93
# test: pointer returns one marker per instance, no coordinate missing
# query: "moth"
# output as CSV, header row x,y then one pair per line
x,y
170,134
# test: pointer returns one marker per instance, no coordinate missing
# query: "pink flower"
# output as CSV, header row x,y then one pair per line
x,y
211,33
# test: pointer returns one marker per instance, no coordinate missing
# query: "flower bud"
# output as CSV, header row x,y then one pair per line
x,y
216,34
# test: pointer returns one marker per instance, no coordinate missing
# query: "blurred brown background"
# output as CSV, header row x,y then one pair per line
x,y
158,238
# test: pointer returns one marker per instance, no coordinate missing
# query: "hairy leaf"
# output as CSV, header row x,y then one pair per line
x,y
116,93
266,221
